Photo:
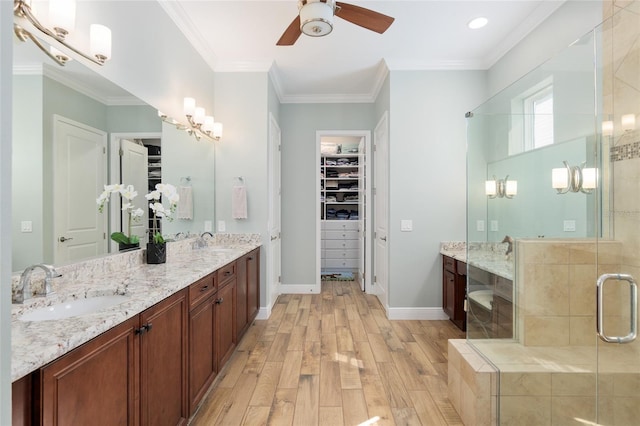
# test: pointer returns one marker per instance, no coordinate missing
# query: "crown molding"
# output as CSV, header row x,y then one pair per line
x,y
57,74
178,15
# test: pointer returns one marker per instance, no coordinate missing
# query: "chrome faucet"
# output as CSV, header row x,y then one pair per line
x,y
24,287
206,233
507,239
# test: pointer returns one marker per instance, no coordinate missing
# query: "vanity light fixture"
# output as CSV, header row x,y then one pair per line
x,y
200,123
574,179
502,188
628,122
208,129
62,17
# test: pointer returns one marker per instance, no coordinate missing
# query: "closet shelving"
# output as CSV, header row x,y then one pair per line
x,y
339,187
154,173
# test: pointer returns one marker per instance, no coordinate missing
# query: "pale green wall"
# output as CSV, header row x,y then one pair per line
x,y
242,104
133,118
427,177
27,160
299,123
184,156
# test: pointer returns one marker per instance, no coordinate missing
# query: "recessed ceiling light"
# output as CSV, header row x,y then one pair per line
x,y
478,22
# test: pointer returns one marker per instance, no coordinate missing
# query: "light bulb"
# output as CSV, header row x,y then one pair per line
x,y
189,107
62,16
100,39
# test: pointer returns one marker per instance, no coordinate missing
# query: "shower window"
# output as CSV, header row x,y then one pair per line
x,y
532,118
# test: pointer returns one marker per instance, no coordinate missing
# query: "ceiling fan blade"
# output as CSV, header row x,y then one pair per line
x,y
291,34
365,18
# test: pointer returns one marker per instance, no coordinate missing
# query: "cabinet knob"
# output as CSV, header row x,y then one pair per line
x,y
219,301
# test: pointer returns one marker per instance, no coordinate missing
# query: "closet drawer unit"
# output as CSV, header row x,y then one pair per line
x,y
341,235
342,263
340,225
340,244
342,254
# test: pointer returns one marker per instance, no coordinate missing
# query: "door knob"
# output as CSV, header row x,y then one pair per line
x,y
63,239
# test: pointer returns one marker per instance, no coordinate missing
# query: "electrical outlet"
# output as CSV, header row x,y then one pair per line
x,y
569,226
207,226
26,226
480,225
494,225
222,226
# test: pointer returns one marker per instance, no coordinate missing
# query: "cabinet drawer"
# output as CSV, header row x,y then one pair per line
x,y
202,289
340,225
340,244
461,267
341,263
449,263
342,254
341,235
226,273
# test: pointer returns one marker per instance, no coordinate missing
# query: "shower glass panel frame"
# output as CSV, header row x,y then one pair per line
x,y
535,253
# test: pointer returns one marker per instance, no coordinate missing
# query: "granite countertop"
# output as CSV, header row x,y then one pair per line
x,y
489,257
34,344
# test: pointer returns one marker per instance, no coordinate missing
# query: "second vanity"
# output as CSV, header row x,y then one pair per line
x,y
151,358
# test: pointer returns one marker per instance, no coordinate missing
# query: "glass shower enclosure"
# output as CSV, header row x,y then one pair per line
x,y
553,234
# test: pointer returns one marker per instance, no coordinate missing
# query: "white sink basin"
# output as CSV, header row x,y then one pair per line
x,y
73,308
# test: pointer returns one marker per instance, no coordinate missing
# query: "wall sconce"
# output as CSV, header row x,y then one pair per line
x,y
198,132
62,15
200,122
574,179
503,188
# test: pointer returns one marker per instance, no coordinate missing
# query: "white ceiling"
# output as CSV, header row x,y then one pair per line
x,y
348,64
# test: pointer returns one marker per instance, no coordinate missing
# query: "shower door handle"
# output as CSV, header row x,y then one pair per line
x,y
633,306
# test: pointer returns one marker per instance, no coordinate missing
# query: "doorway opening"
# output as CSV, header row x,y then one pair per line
x,y
135,159
343,207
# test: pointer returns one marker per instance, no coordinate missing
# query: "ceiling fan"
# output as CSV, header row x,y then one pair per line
x,y
315,19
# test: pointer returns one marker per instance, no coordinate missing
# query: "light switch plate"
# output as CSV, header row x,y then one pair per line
x,y
406,225
494,225
480,225
207,226
222,226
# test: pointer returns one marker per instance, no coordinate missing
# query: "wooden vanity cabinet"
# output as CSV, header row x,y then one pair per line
x,y
134,373
454,283
98,380
247,290
163,362
224,318
202,360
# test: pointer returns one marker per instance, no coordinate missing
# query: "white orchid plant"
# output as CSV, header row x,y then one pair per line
x,y
127,193
155,199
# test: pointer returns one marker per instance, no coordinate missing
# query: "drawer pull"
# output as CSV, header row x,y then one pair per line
x,y
250,258
227,273
204,288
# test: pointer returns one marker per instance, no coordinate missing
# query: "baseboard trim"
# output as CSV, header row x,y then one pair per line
x,y
263,313
299,289
430,314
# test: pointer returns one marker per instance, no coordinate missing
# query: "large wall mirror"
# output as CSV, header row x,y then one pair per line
x,y
503,146
55,109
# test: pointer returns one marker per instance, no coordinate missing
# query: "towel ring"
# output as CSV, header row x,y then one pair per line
x,y
185,180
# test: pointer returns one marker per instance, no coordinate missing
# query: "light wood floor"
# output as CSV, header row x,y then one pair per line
x,y
334,359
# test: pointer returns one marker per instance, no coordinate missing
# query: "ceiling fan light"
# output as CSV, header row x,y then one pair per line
x,y
316,19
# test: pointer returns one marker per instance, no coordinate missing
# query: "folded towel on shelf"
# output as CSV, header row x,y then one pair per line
x,y
239,202
185,204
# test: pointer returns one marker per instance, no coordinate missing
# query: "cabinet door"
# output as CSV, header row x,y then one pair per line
x,y
163,350
225,322
202,361
98,380
253,284
449,292
242,320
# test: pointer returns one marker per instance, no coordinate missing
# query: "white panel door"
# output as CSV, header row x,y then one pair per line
x,y
381,206
79,154
134,171
275,247
362,217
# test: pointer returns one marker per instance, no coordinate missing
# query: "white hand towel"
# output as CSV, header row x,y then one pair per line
x,y
239,202
185,204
